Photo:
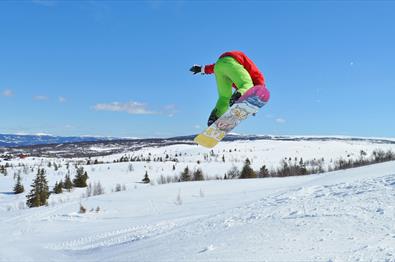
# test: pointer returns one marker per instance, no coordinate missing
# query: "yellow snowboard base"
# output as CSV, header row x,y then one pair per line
x,y
206,141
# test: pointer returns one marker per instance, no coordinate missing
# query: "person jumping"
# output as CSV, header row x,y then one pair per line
x,y
233,69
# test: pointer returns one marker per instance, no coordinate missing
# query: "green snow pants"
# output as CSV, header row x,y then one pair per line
x,y
227,72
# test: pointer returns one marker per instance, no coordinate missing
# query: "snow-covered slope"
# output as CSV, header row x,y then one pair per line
x,y
337,216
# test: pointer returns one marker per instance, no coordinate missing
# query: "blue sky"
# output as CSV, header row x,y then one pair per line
x,y
120,68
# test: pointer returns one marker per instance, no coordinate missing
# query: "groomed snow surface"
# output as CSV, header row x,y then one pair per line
x,y
346,215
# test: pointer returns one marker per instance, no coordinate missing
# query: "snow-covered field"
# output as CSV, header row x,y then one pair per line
x,y
346,215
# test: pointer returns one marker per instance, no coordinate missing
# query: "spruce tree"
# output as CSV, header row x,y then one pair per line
x,y
80,178
39,193
67,184
247,171
57,189
198,175
18,188
185,175
44,189
263,172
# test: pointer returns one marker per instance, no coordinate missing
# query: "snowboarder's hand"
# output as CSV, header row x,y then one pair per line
x,y
197,69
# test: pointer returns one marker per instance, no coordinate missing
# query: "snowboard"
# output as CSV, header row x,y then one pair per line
x,y
247,105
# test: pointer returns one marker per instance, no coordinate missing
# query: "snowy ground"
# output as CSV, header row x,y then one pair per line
x,y
338,216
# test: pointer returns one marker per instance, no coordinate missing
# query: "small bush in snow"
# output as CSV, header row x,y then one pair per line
x,y
146,179
97,189
233,173
118,188
82,209
161,180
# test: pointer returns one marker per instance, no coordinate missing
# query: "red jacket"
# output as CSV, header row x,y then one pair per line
x,y
252,69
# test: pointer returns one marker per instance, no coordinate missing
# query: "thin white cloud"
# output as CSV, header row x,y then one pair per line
x,y
62,99
8,93
133,108
43,134
40,98
170,110
280,120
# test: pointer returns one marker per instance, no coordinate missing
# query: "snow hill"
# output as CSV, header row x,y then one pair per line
x,y
345,215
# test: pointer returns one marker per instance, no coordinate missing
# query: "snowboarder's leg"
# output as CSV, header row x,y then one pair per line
x,y
237,74
224,87
228,71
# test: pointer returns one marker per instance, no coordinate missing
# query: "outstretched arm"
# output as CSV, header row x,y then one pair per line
x,y
208,69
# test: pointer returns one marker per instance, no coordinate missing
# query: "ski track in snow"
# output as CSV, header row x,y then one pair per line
x,y
307,208
115,237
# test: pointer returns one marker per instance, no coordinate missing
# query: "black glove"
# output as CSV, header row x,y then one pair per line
x,y
236,95
196,69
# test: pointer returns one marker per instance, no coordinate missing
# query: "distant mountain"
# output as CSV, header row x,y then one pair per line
x,y
10,140
55,146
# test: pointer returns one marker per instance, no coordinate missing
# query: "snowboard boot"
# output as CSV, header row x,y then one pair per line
x,y
213,117
236,95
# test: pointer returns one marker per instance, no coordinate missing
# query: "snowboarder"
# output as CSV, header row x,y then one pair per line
x,y
232,69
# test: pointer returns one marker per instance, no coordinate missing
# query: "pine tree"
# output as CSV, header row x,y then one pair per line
x,y
185,175
80,178
57,189
39,193
247,171
263,172
2,170
44,189
67,184
18,188
198,175
146,178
